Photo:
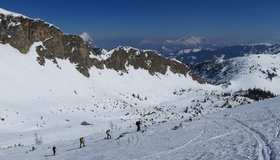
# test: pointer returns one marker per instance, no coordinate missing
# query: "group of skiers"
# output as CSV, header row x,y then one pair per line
x,y
108,136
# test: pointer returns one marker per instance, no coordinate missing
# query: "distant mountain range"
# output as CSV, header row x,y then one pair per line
x,y
195,49
241,66
226,52
178,46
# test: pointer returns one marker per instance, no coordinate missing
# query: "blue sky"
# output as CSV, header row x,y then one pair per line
x,y
113,22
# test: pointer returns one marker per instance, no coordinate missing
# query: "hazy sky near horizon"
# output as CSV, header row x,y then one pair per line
x,y
228,21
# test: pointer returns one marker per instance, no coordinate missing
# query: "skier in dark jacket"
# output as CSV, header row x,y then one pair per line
x,y
82,142
108,134
54,150
138,123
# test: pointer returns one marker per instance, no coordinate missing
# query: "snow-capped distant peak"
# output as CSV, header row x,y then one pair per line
x,y
5,12
193,40
188,41
87,38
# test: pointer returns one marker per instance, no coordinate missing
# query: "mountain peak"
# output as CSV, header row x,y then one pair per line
x,y
87,38
188,41
193,40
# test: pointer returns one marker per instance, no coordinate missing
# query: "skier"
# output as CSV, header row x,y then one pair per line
x,y
108,134
33,148
54,150
82,142
138,123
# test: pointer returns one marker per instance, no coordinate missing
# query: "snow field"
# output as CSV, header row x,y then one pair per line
x,y
246,132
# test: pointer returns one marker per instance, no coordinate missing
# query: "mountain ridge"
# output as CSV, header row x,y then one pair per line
x,y
21,32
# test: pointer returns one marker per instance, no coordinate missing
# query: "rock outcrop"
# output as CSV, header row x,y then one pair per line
x,y
148,60
21,33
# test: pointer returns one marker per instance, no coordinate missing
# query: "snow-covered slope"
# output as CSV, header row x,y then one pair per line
x,y
257,71
25,80
58,91
246,132
52,100
251,71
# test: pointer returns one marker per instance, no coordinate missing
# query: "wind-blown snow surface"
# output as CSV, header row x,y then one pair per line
x,y
246,132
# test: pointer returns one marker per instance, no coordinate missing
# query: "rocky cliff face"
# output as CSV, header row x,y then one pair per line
x,y
21,32
146,59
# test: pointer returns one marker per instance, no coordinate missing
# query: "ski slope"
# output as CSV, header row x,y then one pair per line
x,y
245,132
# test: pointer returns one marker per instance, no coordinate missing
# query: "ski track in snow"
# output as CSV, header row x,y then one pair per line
x,y
219,124
133,141
264,148
272,116
276,121
215,137
165,153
